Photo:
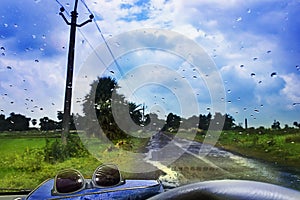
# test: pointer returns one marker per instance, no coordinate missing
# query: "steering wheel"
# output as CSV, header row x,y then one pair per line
x,y
229,190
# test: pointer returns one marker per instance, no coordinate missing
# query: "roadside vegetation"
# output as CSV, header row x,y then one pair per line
x,y
280,147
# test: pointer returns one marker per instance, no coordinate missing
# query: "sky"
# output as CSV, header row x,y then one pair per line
x,y
185,57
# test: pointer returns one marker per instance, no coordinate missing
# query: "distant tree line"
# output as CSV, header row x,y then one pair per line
x,y
19,122
99,100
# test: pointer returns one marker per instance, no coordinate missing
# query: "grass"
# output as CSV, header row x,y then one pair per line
x,y
22,164
275,146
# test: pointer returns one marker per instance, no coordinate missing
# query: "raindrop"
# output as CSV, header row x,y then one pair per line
x,y
2,48
254,59
245,108
256,110
239,19
297,67
111,71
241,66
33,36
252,74
43,36
269,51
5,25
294,104
16,25
11,102
207,108
9,67
261,105
249,11
36,60
194,76
259,82
228,101
239,98
273,74
117,44
228,91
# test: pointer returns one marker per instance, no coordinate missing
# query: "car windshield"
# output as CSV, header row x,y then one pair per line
x,y
180,91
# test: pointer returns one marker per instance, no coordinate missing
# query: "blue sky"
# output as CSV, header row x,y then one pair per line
x,y
241,37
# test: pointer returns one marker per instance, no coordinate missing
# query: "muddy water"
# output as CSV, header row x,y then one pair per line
x,y
186,161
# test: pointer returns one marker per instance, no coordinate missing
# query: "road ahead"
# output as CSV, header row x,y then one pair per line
x,y
186,161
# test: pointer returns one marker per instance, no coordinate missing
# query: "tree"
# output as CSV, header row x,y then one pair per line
x,y
296,124
191,122
229,122
47,124
204,121
18,122
99,101
276,125
3,123
172,123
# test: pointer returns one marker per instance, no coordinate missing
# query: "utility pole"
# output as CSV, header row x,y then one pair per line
x,y
70,67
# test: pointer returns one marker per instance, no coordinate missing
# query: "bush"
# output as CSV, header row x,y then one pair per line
x,y
57,152
30,160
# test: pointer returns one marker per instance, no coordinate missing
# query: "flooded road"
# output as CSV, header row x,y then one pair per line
x,y
186,161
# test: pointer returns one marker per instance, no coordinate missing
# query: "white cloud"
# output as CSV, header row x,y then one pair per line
x,y
291,91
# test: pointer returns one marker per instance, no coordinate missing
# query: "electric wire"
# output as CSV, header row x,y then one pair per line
x,y
102,36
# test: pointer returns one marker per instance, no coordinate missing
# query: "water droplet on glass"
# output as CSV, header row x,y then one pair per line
x,y
2,48
261,105
36,60
9,67
241,66
16,25
228,91
256,110
239,98
111,71
33,36
239,19
259,82
254,59
117,44
194,76
273,74
228,101
249,11
269,51
252,74
5,25
43,36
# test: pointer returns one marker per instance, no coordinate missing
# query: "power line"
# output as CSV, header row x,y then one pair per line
x,y
108,47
